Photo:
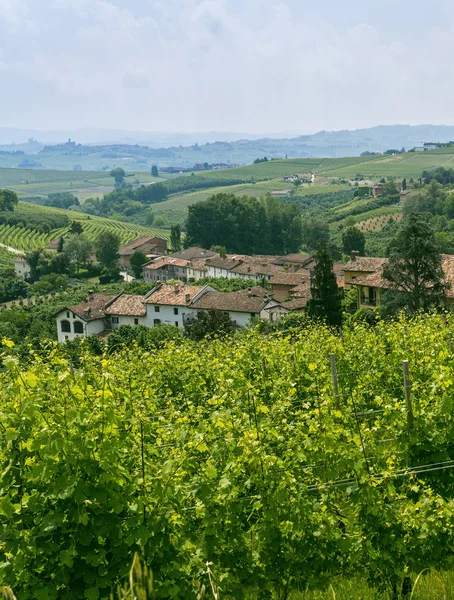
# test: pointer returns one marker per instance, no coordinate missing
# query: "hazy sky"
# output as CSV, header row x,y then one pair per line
x,y
226,65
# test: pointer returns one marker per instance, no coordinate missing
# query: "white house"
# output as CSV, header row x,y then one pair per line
x,y
83,319
125,309
172,304
21,267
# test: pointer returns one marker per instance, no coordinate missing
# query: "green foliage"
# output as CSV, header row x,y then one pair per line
x,y
107,246
154,171
119,175
244,224
43,262
8,200
137,260
76,227
212,323
78,250
326,298
354,239
414,269
175,238
315,232
239,454
50,283
12,287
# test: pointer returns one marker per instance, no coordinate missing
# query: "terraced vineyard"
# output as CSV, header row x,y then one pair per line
x,y
28,239
377,223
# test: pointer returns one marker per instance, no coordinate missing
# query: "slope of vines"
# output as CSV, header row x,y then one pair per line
x,y
234,452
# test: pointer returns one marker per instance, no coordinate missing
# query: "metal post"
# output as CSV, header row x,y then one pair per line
x,y
332,359
407,389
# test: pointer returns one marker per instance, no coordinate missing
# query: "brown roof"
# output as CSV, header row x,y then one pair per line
x,y
295,258
289,278
256,269
365,264
53,244
222,263
163,261
302,291
94,307
174,295
127,305
242,301
198,264
194,253
254,259
296,304
130,247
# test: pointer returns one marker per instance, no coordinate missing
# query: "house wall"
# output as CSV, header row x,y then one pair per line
x,y
91,327
217,272
167,315
126,320
274,313
365,296
281,291
22,269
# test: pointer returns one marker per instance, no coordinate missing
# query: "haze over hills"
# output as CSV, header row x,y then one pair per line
x,y
93,149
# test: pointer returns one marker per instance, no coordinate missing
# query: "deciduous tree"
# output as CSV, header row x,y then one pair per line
x,y
136,261
107,246
354,239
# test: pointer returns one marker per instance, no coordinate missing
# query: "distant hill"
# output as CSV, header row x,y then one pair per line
x,y
97,150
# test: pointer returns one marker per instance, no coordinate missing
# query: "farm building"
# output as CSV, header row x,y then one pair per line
x,y
145,244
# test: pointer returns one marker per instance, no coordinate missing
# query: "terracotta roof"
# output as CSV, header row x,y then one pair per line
x,y
91,310
301,259
254,259
364,264
127,305
242,301
289,278
164,261
296,304
19,259
174,295
302,291
256,269
130,247
194,253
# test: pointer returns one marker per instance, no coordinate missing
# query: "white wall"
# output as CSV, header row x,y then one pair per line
x,y
91,327
127,320
166,315
22,269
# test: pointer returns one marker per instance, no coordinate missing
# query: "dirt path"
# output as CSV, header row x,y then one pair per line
x,y
13,250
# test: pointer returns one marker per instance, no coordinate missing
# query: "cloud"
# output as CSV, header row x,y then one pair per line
x,y
250,65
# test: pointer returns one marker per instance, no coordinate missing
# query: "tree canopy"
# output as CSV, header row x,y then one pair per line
x,y
354,239
414,270
244,225
326,297
107,246
8,200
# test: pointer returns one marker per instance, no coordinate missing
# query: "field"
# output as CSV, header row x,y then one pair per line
x,y
83,184
237,452
26,239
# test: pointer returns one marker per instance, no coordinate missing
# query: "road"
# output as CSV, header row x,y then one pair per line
x,y
13,250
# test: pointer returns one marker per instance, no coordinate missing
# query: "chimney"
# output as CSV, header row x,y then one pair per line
x,y
249,293
354,254
176,289
187,298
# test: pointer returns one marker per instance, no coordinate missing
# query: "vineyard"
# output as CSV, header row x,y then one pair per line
x,y
377,223
26,237
285,461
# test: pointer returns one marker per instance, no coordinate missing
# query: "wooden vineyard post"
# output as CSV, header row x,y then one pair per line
x,y
407,389
332,359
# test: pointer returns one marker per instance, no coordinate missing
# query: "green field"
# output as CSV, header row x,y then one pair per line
x,y
23,238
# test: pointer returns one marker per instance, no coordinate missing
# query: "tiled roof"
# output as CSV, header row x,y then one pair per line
x,y
296,304
174,295
289,278
95,307
127,305
242,301
164,261
130,247
199,265
364,264
19,259
222,263
302,291
256,269
194,253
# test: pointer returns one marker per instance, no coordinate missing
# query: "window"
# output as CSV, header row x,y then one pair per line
x,y
136,321
157,322
175,311
157,308
176,323
67,314
78,327
115,320
66,326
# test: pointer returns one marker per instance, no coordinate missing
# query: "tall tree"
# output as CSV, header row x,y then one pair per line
x,y
326,297
154,171
119,175
414,270
175,238
315,233
354,239
404,184
107,246
78,250
8,200
136,261
76,227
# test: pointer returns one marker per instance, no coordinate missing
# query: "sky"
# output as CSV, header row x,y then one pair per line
x,y
295,66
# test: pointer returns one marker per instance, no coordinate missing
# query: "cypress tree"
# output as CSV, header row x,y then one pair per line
x,y
326,298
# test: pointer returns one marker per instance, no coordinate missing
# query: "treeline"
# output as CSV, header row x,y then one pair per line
x,y
441,175
58,200
125,201
42,222
197,182
245,225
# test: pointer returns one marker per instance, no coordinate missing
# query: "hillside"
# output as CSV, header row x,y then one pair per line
x,y
138,151
25,237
